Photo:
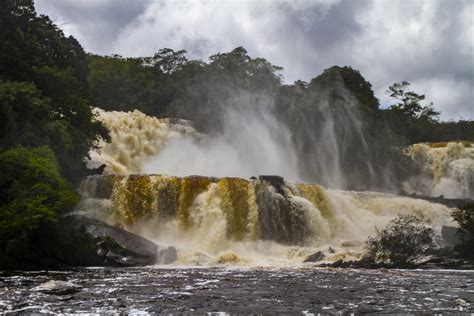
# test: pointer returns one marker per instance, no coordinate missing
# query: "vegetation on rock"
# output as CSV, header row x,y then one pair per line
x,y
404,240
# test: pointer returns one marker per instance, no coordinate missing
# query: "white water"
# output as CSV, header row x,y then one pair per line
x,y
446,169
135,138
251,145
340,221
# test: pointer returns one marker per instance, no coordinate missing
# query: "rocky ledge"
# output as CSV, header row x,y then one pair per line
x,y
90,242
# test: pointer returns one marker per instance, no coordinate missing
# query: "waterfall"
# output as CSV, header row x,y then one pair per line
x,y
444,169
136,138
265,220
148,188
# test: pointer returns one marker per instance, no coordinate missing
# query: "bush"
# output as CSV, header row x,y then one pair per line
x,y
402,241
465,218
32,194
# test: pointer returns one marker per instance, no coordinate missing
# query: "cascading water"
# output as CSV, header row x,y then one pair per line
x,y
135,138
264,221
446,169
257,221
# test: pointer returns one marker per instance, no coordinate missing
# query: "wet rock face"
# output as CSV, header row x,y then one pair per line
x,y
92,242
57,287
315,257
104,186
276,181
162,198
280,219
167,255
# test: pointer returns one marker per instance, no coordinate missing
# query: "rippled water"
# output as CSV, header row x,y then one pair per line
x,y
229,290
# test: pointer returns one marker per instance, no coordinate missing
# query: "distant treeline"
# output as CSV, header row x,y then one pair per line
x,y
159,86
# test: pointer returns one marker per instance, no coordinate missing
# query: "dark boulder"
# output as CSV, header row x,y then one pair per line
x,y
90,242
281,219
443,262
57,287
450,235
464,204
96,171
99,186
276,181
167,256
315,257
366,262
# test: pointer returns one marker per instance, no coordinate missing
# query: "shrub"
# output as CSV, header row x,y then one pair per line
x,y
402,241
465,218
32,194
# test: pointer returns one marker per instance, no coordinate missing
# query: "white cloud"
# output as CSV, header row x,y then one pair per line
x,y
453,98
427,42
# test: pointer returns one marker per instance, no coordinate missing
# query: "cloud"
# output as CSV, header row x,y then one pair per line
x,y
429,43
95,23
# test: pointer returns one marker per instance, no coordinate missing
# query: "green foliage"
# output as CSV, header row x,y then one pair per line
x,y
465,219
239,69
66,123
148,84
43,85
230,81
116,83
168,60
168,84
32,194
28,40
404,240
23,114
408,118
454,131
409,103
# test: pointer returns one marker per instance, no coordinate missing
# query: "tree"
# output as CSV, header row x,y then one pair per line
x,y
29,40
409,102
148,84
32,195
465,218
66,123
408,117
404,240
168,60
43,88
231,80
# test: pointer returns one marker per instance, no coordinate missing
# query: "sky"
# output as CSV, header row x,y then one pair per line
x,y
429,43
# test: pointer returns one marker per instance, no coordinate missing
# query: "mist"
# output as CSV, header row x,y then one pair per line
x,y
250,142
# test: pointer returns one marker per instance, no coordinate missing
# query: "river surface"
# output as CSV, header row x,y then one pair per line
x,y
239,290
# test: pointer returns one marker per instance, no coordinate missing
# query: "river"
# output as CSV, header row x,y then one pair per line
x,y
226,290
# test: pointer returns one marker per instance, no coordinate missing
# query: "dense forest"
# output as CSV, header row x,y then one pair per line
x,y
49,85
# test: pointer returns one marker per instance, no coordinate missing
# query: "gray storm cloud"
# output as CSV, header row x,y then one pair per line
x,y
429,43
